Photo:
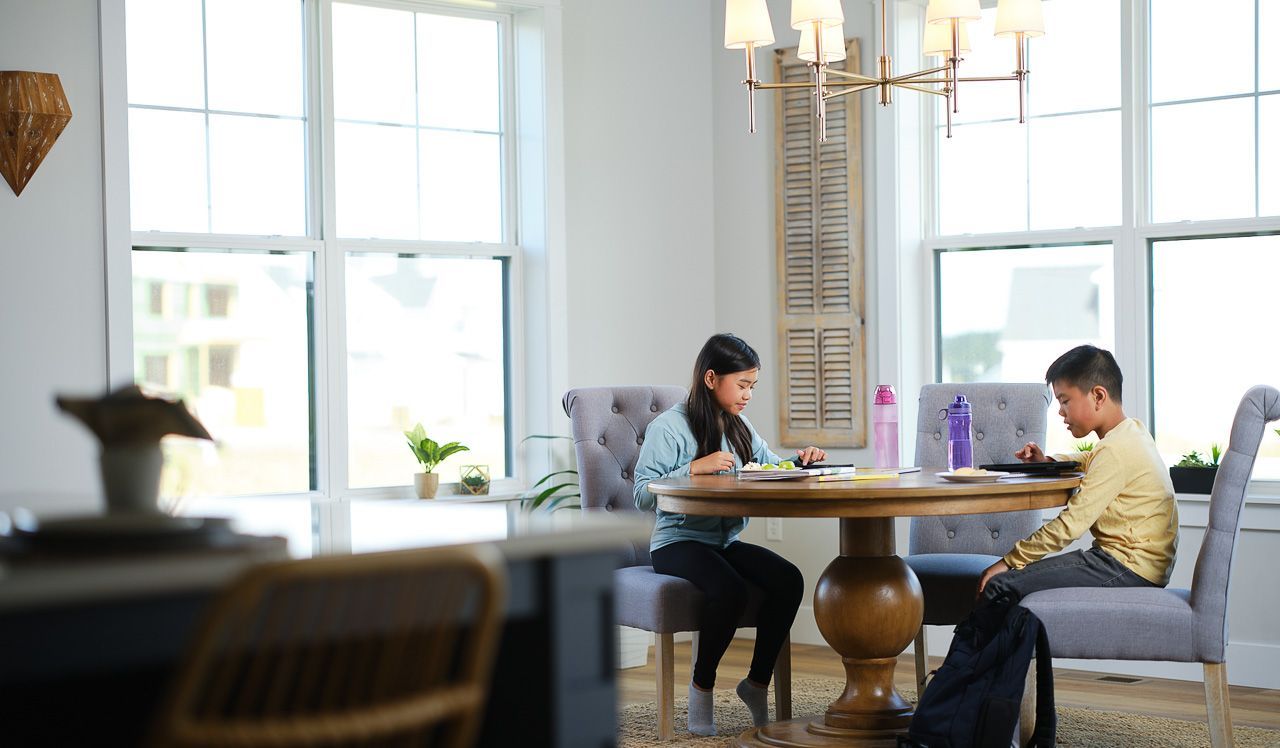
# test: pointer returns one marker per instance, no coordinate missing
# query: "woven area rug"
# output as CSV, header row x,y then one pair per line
x,y
1084,728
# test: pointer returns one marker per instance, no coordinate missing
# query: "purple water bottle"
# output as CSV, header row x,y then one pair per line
x,y
959,417
885,416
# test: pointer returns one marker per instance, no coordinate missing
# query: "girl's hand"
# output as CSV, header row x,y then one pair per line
x,y
1031,453
715,462
810,454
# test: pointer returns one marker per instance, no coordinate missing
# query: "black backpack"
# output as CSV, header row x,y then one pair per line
x,y
974,698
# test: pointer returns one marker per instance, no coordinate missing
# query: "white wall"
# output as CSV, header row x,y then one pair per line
x,y
52,303
638,140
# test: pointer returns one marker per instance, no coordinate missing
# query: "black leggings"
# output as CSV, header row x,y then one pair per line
x,y
723,575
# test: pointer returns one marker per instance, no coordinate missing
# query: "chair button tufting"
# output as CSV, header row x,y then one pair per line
x,y
639,440
937,435
608,507
1001,405
995,534
624,473
653,409
600,440
614,409
951,533
979,435
1021,432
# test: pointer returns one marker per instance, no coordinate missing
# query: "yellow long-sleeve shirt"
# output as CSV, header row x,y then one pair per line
x,y
1125,500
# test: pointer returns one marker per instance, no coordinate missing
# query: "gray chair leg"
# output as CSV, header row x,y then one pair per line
x,y
665,661
782,683
922,662
1218,703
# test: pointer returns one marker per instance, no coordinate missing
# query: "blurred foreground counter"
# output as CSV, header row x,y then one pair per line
x,y
94,619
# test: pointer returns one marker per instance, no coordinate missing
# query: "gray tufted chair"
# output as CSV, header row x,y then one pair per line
x,y
608,429
1173,625
949,554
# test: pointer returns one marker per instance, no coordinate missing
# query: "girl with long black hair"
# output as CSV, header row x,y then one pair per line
x,y
708,434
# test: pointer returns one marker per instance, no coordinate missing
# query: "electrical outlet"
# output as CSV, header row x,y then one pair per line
x,y
773,529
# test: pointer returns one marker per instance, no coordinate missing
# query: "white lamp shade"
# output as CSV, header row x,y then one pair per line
x,y
942,10
937,39
1019,17
806,12
747,22
832,44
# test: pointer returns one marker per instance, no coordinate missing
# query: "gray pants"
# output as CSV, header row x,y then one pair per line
x,y
1092,568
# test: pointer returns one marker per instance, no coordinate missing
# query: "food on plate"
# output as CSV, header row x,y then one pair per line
x,y
784,465
968,471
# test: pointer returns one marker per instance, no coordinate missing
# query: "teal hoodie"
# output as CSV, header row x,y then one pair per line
x,y
669,447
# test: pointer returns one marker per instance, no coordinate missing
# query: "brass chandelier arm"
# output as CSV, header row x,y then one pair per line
x,y
940,92
851,76
852,88
911,77
861,84
963,79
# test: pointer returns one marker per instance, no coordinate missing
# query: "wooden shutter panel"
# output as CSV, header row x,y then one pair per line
x,y
821,331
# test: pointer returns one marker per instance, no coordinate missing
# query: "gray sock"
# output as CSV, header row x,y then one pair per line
x,y
757,700
702,717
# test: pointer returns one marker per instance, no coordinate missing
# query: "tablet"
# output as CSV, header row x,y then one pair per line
x,y
1035,468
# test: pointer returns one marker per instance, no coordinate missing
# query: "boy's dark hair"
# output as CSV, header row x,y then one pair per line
x,y
1086,367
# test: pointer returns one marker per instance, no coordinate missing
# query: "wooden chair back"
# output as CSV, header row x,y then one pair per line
x,y
373,649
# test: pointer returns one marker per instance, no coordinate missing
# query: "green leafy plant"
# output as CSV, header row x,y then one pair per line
x,y
428,451
475,481
552,492
1193,459
1084,446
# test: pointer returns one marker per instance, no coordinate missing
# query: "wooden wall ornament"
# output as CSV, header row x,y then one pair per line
x,y
33,113
819,224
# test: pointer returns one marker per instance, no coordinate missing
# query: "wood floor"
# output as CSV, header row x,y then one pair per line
x,y
1256,707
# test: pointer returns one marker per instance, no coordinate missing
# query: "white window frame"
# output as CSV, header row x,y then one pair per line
x,y
1132,241
533,240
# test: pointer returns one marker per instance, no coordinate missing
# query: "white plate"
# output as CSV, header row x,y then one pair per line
x,y
991,476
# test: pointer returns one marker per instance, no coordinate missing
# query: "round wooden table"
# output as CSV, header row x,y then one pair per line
x,y
867,602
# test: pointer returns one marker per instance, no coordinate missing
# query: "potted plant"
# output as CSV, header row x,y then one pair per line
x,y
475,479
1193,474
430,454
549,492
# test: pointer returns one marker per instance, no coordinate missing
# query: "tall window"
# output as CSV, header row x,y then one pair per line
x,y
323,242
1215,129
1062,168
1005,314
1035,238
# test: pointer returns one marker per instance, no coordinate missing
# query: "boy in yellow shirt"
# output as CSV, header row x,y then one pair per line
x,y
1125,498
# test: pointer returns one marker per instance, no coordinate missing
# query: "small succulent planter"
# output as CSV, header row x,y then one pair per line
x,y
475,480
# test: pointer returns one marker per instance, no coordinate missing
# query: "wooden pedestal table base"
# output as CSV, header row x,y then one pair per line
x,y
867,603
868,607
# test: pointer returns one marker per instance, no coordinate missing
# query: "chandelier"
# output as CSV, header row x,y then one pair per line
x,y
821,26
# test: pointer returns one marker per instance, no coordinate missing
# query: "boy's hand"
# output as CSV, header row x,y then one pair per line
x,y
1031,453
810,454
998,567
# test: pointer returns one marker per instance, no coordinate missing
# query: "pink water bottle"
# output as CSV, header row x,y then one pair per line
x,y
884,415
